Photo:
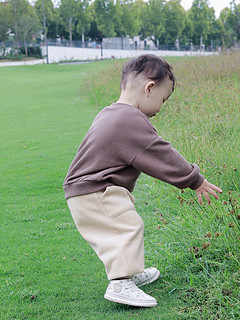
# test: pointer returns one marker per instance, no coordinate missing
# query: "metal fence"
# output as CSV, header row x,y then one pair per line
x,y
13,44
109,43
125,44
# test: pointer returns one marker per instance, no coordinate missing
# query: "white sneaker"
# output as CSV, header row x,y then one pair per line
x,y
125,291
149,275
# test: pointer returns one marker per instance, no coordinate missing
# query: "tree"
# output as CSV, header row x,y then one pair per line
x,y
212,26
231,25
93,32
139,11
16,20
201,16
18,8
235,9
126,23
68,10
28,25
216,34
187,33
5,20
83,18
45,8
105,17
154,20
227,35
175,20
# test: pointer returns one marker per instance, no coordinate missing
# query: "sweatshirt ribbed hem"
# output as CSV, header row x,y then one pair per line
x,y
85,187
198,182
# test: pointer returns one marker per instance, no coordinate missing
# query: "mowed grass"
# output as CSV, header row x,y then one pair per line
x,y
47,270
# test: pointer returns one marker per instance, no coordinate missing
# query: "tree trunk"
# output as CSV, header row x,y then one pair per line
x,y
45,29
44,23
15,24
25,47
83,43
70,31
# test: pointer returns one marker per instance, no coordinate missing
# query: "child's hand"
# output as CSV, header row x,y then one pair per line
x,y
205,189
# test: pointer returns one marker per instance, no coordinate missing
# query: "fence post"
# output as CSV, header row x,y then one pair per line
x,y
45,29
101,50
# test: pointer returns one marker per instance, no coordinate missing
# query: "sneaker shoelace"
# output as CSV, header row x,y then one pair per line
x,y
133,288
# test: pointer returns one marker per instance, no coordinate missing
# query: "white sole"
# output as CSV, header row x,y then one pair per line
x,y
130,302
150,280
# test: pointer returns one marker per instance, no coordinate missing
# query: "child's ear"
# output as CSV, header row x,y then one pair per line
x,y
148,87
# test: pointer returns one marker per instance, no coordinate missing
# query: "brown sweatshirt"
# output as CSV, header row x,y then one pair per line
x,y
120,144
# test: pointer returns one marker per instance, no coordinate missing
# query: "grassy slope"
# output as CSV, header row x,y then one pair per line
x,y
42,256
196,248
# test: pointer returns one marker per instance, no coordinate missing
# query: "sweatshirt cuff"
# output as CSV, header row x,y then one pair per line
x,y
197,182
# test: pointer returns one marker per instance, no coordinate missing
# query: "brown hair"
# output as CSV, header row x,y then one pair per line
x,y
150,66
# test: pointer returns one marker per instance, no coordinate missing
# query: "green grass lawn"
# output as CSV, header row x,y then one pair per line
x,y
47,270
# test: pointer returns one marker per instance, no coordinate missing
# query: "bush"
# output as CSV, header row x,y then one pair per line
x,y
11,55
32,52
18,54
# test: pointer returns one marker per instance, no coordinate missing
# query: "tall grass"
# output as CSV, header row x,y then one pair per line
x,y
197,248
47,271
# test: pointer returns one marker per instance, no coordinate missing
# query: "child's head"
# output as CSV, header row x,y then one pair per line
x,y
152,80
149,67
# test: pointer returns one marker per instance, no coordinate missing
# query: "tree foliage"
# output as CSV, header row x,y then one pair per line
x,y
201,16
105,12
175,21
52,17
28,26
165,22
5,21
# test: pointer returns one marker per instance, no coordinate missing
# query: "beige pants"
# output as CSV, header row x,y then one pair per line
x,y
108,221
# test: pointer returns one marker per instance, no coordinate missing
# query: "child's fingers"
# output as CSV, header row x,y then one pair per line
x,y
199,196
212,186
206,195
207,189
213,193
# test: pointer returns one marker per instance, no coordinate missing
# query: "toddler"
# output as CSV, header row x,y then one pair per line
x,y
120,144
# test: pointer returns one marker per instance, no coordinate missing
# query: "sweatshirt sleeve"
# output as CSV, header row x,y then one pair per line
x,y
161,161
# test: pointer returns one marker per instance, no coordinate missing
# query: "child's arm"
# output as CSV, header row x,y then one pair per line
x,y
205,189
